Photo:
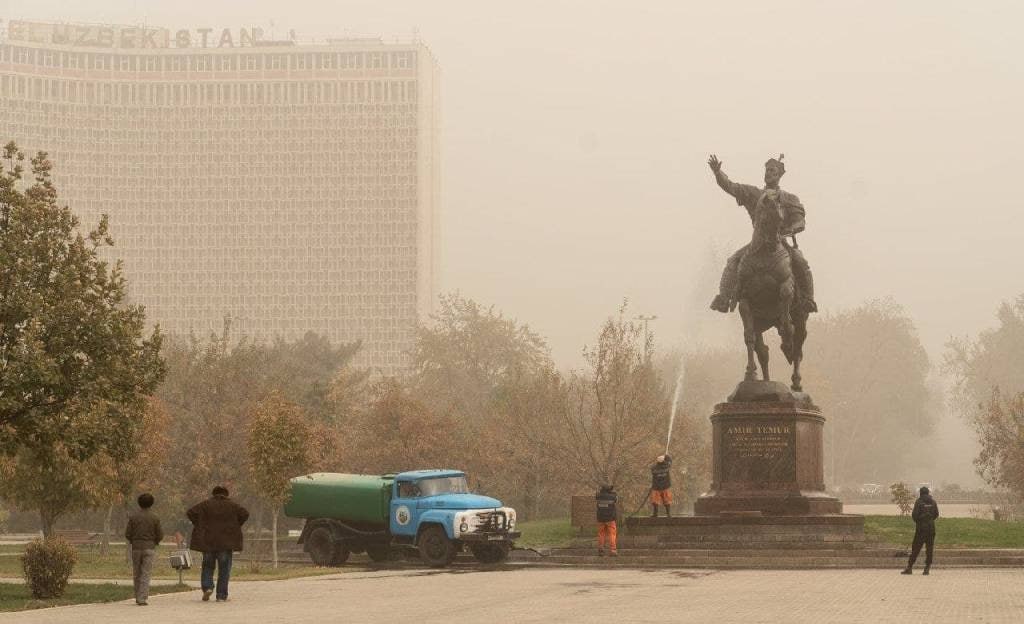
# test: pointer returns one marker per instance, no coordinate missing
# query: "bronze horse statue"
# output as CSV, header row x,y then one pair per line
x,y
768,294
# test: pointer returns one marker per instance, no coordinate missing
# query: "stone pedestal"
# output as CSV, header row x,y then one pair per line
x,y
767,455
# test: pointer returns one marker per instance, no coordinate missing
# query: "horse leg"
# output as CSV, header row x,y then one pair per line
x,y
799,336
762,356
785,325
748,338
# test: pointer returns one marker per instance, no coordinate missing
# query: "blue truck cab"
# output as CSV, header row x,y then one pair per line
x,y
435,511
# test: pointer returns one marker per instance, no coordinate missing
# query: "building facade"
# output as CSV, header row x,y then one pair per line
x,y
290,188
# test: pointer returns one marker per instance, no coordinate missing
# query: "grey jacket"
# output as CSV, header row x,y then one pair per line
x,y
143,531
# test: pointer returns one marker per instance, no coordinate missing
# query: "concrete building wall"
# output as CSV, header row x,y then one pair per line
x,y
290,188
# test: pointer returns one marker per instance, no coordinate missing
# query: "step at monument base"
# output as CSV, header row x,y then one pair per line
x,y
825,530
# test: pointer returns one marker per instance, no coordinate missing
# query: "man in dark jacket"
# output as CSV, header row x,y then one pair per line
x,y
607,512
661,483
143,533
926,510
217,533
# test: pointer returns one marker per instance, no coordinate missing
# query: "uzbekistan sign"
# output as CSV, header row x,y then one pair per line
x,y
137,37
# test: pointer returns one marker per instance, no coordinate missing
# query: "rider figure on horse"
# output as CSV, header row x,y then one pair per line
x,y
750,197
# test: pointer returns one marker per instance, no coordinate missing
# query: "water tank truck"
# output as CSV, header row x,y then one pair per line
x,y
428,511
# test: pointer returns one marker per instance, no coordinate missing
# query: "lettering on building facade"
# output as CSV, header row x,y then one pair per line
x,y
131,37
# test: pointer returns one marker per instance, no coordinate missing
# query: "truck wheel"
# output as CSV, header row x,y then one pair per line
x,y
378,552
436,550
321,547
490,553
340,555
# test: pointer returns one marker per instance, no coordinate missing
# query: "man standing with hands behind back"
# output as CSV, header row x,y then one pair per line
x,y
217,533
143,535
926,510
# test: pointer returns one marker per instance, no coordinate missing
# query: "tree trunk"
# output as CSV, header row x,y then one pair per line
x,y
537,488
258,529
273,541
127,544
105,544
257,545
48,520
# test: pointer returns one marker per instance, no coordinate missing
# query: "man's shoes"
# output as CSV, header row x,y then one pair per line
x,y
142,604
614,553
206,595
720,303
907,571
600,552
224,599
925,571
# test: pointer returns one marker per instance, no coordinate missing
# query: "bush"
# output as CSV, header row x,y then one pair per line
x,y
47,566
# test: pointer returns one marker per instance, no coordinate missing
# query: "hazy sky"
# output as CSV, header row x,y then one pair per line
x,y
575,136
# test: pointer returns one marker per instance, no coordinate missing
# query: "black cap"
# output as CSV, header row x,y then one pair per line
x,y
924,490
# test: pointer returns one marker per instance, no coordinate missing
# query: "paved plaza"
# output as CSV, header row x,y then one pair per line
x,y
586,595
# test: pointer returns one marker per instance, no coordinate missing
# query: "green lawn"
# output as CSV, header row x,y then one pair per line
x,y
16,597
92,565
950,532
545,533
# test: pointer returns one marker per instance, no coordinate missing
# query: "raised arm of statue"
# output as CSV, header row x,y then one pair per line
x,y
723,180
744,194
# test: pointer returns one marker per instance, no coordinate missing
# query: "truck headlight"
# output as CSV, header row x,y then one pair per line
x,y
463,527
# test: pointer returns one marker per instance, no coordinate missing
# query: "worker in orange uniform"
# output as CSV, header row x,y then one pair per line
x,y
607,531
661,482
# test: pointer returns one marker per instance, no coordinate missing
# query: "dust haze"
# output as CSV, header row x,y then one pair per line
x,y
575,136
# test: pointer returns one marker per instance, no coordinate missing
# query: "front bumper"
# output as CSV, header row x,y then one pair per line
x,y
476,538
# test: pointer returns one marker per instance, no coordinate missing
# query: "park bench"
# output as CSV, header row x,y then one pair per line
x,y
77,537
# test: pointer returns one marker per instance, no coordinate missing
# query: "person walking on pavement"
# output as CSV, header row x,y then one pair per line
x,y
217,533
926,510
661,483
607,512
143,534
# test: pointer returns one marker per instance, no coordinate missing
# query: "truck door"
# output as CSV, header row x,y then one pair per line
x,y
404,517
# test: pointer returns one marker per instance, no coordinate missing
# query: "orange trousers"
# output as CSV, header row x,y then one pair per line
x,y
608,533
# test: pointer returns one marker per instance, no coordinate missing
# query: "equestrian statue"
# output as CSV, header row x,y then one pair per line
x,y
768,280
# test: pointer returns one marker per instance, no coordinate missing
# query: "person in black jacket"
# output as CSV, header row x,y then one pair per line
x,y
607,512
661,482
926,510
217,533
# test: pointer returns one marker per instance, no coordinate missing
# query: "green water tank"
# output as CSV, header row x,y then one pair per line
x,y
352,498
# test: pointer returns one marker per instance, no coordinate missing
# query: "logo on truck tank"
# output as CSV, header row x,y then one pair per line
x,y
402,515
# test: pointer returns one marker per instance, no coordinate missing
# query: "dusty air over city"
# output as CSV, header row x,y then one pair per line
x,y
558,311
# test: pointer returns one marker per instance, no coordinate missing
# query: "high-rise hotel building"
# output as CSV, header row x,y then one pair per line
x,y
289,187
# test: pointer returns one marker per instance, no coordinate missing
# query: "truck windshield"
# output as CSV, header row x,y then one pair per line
x,y
443,485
